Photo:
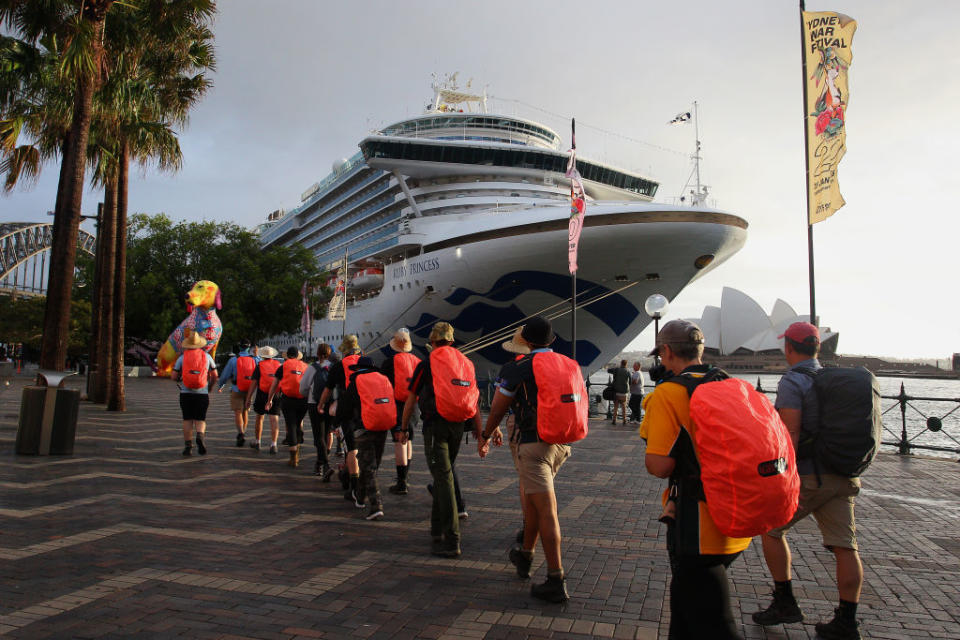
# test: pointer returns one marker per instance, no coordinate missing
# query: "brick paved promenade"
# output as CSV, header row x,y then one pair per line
x,y
128,539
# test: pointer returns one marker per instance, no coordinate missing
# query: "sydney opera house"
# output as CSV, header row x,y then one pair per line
x,y
740,327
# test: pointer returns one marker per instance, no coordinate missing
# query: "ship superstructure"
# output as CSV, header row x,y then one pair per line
x,y
461,215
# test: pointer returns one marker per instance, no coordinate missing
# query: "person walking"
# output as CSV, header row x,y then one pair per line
x,y
337,383
294,404
445,388
829,497
621,387
312,385
699,554
196,373
538,461
399,367
260,383
636,393
519,347
368,410
238,373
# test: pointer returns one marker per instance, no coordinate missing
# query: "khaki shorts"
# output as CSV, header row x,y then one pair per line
x,y
538,463
832,507
238,401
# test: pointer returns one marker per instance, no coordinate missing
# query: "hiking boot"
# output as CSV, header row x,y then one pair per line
x,y
186,449
780,611
375,513
255,446
240,439
446,549
521,561
553,590
273,449
202,450
839,628
399,489
326,473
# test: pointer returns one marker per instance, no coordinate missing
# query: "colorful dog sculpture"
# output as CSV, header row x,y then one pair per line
x,y
202,302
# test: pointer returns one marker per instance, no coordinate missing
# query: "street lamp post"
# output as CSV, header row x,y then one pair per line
x,y
656,307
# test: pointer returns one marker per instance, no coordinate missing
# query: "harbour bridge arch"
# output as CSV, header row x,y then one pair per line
x,y
24,247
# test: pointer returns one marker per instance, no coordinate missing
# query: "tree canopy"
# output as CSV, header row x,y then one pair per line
x,y
260,288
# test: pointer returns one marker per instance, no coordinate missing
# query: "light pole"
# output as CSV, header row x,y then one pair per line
x,y
656,307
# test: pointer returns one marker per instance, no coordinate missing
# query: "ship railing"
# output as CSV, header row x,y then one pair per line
x,y
921,418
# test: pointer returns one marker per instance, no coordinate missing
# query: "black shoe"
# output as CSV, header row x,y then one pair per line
x,y
780,611
521,561
520,536
186,450
316,467
375,513
399,489
255,446
202,450
273,449
326,474
240,439
553,590
445,549
839,628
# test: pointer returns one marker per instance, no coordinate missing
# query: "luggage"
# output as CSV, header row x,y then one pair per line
x,y
745,455
562,401
849,423
609,393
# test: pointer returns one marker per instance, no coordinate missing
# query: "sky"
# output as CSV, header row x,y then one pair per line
x,y
298,85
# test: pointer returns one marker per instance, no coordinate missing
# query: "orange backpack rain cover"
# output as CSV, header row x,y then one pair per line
x,y
562,400
194,368
403,366
378,412
454,384
347,362
293,369
267,369
245,367
747,462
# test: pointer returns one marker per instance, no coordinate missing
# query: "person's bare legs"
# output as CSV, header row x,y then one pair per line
x,y
849,574
776,552
258,427
274,429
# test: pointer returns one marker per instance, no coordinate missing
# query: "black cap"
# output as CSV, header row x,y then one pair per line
x,y
364,362
538,332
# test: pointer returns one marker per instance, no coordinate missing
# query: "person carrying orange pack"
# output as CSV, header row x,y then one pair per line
x,y
399,368
196,372
337,382
238,374
548,396
260,382
699,553
294,404
445,388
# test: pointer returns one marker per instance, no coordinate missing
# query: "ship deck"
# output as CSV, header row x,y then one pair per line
x,y
127,539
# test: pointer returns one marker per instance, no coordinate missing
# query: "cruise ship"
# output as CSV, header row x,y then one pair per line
x,y
461,215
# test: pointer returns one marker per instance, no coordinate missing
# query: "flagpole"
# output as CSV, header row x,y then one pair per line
x,y
573,275
806,156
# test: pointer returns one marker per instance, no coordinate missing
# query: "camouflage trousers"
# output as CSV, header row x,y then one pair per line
x,y
369,452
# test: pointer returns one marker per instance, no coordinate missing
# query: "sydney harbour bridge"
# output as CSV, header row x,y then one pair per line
x,y
24,249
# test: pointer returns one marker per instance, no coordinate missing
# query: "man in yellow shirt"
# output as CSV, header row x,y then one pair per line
x,y
699,553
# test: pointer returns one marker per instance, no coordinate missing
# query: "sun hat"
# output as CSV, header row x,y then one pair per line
x,y
802,332
267,352
442,331
193,341
350,343
516,343
538,332
401,341
678,332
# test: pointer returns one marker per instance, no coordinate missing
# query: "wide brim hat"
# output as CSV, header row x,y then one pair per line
x,y
516,343
267,352
441,332
193,341
350,343
400,341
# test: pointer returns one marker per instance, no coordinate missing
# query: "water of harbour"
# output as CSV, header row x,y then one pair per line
x,y
917,412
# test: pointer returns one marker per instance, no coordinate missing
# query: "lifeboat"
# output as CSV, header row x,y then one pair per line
x,y
369,278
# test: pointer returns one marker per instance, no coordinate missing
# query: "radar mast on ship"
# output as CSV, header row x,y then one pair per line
x,y
449,98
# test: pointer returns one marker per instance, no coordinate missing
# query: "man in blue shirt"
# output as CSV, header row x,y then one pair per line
x,y
829,497
237,372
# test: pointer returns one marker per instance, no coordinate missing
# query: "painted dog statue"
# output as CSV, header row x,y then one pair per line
x,y
203,300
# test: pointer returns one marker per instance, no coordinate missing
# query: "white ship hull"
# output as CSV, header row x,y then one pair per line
x,y
483,272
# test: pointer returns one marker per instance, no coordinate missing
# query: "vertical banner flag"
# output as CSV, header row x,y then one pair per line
x,y
337,308
305,319
578,205
827,39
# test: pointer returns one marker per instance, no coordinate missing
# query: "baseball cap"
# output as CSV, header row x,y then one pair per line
x,y
678,332
802,332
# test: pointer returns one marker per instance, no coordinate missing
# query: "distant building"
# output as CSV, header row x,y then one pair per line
x,y
956,362
739,326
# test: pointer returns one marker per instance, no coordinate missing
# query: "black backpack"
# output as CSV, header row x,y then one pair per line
x,y
319,380
849,425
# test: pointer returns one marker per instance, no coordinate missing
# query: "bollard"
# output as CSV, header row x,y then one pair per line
x,y
48,416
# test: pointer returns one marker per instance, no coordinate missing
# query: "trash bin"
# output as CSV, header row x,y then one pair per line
x,y
48,416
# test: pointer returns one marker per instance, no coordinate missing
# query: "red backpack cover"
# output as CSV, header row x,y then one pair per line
x,y
348,362
267,369
747,462
293,369
403,366
454,384
245,367
377,409
562,401
194,368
